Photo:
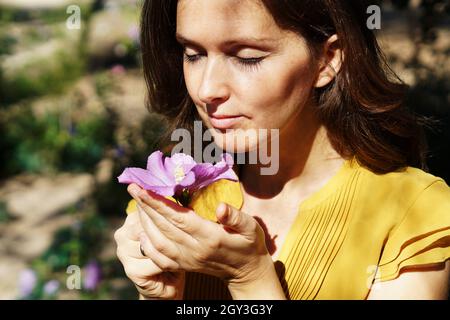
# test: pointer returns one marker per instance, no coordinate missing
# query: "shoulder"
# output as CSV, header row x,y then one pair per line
x,y
409,179
405,190
416,205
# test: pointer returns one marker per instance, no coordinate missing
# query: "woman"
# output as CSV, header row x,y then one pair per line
x,y
347,216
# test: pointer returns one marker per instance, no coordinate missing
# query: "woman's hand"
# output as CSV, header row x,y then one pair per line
x,y
178,239
150,281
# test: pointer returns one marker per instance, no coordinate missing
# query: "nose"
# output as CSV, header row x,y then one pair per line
x,y
213,89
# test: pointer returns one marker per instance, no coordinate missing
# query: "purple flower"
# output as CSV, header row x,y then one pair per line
x,y
51,287
178,176
27,282
92,275
133,33
119,152
118,69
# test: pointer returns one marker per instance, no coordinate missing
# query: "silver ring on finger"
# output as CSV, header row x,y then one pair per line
x,y
142,250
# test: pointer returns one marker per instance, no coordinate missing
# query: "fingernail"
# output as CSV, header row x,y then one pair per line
x,y
134,190
224,208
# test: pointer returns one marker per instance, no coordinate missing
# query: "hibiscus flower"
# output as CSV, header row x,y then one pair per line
x,y
178,176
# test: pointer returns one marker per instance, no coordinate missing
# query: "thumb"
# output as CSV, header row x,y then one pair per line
x,y
233,218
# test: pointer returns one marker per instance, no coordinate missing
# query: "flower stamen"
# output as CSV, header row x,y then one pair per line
x,y
179,174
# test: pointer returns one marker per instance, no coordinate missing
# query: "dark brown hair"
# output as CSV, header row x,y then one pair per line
x,y
362,108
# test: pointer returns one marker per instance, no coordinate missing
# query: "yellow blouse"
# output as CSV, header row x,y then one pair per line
x,y
360,228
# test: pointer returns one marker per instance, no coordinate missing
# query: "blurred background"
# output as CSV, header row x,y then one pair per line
x,y
72,117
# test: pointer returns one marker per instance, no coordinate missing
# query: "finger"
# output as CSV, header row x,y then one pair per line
x,y
133,227
141,268
155,199
131,249
159,259
127,236
183,218
170,230
235,219
157,238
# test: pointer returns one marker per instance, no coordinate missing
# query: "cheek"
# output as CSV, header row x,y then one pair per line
x,y
190,79
269,97
277,91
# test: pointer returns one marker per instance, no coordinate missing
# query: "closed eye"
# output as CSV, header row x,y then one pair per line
x,y
243,62
191,58
250,61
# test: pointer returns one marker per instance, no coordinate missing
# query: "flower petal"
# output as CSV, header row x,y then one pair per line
x,y
228,159
188,180
169,176
186,162
206,173
146,180
156,166
228,174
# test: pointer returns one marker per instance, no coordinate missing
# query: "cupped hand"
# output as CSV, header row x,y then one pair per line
x,y
176,238
150,281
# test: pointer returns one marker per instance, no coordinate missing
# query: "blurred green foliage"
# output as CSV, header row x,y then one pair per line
x,y
38,145
132,150
5,216
45,77
78,245
40,76
87,143
75,245
6,43
47,16
104,83
74,140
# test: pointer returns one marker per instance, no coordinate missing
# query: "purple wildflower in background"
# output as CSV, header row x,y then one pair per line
x,y
27,282
178,176
51,287
92,275
133,33
119,152
118,69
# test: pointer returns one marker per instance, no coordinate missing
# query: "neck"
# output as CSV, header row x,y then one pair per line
x,y
306,161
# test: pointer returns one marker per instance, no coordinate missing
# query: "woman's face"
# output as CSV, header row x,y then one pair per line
x,y
238,62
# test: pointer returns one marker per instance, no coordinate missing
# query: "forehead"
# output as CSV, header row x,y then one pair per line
x,y
217,19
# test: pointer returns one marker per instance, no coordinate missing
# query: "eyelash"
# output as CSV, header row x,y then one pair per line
x,y
247,63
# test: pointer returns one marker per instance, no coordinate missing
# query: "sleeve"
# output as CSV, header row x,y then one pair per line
x,y
422,238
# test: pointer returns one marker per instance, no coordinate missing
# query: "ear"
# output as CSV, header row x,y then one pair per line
x,y
330,63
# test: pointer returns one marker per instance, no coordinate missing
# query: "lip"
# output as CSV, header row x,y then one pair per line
x,y
224,121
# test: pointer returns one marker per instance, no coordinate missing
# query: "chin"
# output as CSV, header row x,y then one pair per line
x,y
234,141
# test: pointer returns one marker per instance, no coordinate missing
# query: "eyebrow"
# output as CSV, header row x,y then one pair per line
x,y
235,42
